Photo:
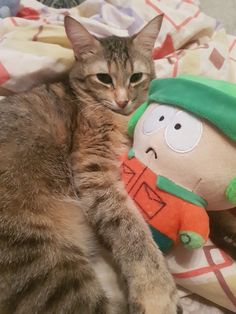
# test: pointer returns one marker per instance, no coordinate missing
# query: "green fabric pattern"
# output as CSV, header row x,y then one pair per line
x,y
174,189
135,117
210,99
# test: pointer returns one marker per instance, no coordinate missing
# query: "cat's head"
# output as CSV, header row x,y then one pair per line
x,y
113,71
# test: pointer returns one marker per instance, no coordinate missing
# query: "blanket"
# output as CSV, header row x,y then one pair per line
x,y
34,49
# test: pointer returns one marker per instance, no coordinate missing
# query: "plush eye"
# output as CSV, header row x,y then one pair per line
x,y
104,78
136,77
183,133
157,118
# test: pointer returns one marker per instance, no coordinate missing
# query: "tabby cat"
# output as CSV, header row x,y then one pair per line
x,y
59,187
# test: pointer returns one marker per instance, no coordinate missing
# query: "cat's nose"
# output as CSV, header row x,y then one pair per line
x,y
122,103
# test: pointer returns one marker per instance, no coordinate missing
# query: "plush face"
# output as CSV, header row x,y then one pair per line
x,y
189,151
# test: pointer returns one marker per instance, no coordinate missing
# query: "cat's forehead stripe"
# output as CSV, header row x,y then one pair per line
x,y
116,49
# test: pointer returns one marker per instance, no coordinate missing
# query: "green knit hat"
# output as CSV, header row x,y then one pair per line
x,y
206,98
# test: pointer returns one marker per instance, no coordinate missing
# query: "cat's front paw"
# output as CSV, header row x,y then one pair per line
x,y
155,294
161,305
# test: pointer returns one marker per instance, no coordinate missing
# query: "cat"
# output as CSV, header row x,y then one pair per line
x,y
99,140
56,200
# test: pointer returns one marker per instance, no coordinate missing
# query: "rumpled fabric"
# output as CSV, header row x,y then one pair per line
x,y
34,49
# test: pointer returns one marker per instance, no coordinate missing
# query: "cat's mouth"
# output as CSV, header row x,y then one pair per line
x,y
153,152
128,109
113,106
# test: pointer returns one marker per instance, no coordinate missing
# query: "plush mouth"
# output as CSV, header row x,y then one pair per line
x,y
150,149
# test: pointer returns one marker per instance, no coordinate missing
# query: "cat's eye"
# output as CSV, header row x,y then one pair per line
x,y
104,78
136,77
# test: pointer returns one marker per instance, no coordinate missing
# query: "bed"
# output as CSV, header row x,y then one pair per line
x,y
34,49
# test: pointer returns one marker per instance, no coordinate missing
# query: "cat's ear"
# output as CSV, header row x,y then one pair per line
x,y
83,43
145,39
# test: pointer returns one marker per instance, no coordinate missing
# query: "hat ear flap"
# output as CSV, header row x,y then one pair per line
x,y
135,117
231,191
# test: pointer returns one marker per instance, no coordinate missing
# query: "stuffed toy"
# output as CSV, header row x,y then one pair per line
x,y
9,8
182,161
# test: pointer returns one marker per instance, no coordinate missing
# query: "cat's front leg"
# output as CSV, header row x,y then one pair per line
x,y
151,287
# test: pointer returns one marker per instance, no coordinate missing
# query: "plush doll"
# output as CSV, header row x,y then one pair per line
x,y
9,8
182,162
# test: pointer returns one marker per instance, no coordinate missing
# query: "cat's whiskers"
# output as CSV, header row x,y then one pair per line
x,y
57,140
92,105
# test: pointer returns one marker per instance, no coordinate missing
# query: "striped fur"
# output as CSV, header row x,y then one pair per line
x,y
43,262
100,138
113,215
62,204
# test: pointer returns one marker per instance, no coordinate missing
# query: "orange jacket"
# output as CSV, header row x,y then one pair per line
x,y
174,217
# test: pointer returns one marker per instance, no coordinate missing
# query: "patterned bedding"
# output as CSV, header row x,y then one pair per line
x,y
34,49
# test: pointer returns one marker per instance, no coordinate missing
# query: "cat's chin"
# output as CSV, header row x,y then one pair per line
x,y
124,112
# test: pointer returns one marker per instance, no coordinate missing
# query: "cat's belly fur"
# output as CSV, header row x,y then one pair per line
x,y
108,275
